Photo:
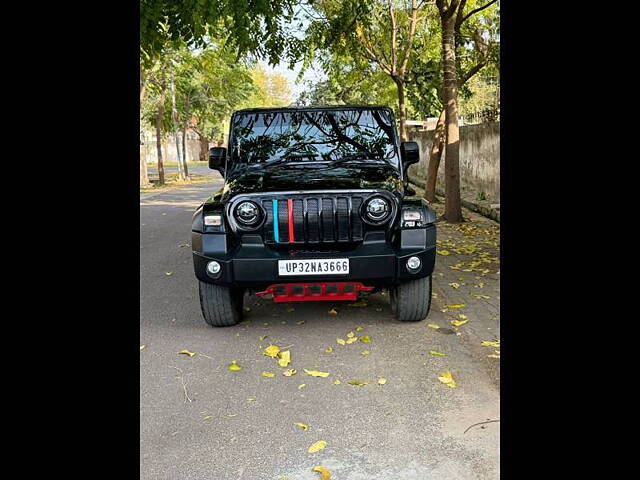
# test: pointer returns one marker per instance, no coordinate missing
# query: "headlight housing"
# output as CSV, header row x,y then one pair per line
x,y
247,213
377,210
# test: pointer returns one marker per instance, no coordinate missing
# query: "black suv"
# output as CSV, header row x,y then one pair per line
x,y
315,206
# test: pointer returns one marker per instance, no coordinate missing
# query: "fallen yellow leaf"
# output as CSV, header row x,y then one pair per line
x,y
433,325
316,447
365,339
340,341
455,305
359,328
289,372
454,285
351,340
142,347
234,367
301,425
493,355
262,337
325,474
357,383
437,354
271,351
487,343
447,379
186,352
332,312
350,334
337,382
382,381
268,374
444,252
457,323
462,316
359,303
301,386
329,349
364,353
315,373
285,358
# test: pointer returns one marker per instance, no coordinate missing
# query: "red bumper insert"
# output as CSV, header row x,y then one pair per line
x,y
312,292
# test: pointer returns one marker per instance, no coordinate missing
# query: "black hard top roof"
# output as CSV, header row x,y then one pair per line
x,y
316,108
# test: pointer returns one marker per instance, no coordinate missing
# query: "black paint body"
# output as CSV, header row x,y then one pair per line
x,y
329,198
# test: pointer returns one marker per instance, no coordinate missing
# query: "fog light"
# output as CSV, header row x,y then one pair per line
x,y
213,267
413,263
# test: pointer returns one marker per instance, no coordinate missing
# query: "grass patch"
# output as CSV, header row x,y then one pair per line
x,y
171,180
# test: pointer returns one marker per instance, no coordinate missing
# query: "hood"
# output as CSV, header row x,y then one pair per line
x,y
351,176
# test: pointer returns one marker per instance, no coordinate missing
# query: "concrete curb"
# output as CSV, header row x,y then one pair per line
x,y
492,213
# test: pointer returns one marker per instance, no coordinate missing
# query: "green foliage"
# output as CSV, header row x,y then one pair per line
x,y
254,26
270,89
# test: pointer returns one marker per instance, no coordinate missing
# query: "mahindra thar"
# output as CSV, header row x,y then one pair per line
x,y
315,206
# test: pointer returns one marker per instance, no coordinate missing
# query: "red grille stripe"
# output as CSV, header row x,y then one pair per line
x,y
290,209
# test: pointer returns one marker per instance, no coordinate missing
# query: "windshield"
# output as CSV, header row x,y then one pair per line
x,y
313,136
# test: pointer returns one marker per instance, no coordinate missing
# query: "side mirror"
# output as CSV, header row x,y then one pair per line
x,y
410,154
217,156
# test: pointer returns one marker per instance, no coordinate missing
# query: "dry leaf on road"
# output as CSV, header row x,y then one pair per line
x,y
316,447
325,474
316,373
186,352
285,358
447,379
302,426
271,351
268,374
357,383
234,367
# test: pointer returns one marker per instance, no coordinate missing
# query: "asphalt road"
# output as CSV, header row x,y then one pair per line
x,y
198,420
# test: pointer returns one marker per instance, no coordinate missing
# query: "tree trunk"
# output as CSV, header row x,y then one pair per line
x,y
159,116
174,121
434,159
452,208
184,140
204,149
402,107
144,173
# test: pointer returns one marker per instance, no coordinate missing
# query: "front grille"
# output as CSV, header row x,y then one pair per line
x,y
316,219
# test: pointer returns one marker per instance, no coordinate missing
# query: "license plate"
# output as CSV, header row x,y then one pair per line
x,y
333,266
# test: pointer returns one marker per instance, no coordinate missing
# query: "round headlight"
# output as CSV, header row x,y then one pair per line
x,y
247,213
377,209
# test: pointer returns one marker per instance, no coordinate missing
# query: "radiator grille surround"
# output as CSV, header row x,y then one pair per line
x,y
318,217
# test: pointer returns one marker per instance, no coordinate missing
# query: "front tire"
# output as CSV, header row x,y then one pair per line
x,y
411,301
221,306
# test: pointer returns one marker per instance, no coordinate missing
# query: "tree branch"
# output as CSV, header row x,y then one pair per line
x,y
371,53
479,9
412,34
394,28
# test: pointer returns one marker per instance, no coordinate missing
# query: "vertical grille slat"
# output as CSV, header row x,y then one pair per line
x,y
319,218
283,221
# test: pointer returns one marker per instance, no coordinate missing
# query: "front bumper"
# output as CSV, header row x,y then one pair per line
x,y
373,263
